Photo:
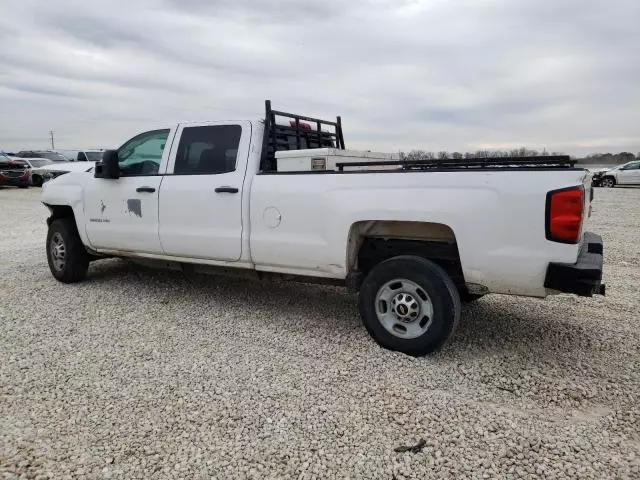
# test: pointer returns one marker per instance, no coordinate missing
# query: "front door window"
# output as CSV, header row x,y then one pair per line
x,y
142,154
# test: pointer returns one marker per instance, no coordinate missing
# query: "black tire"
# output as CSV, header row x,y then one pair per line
x,y
608,182
23,186
75,262
36,180
466,297
437,285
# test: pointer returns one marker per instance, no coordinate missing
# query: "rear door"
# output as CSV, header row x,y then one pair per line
x,y
200,211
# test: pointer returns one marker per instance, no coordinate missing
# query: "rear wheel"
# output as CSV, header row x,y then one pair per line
x,y
409,304
67,257
36,180
608,182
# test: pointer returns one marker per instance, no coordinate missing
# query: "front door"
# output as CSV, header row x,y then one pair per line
x,y
201,195
630,174
122,213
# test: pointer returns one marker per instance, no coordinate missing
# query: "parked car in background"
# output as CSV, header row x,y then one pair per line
x,y
55,169
51,155
93,155
627,174
36,179
14,172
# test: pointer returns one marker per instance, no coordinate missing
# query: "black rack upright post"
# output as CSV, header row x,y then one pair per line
x,y
340,139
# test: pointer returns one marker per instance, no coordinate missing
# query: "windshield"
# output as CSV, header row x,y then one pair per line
x,y
94,156
628,166
56,157
36,163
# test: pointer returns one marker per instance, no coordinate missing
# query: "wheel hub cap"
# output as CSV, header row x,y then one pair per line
x,y
404,308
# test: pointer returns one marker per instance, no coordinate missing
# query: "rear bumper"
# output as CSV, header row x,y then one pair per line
x,y
584,277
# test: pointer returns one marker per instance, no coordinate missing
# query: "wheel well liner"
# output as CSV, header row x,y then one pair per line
x,y
60,211
375,241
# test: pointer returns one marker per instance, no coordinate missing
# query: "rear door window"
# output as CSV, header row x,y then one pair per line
x,y
208,150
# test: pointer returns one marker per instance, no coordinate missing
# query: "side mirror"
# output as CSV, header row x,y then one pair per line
x,y
108,167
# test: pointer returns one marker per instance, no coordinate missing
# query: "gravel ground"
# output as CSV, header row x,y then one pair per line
x,y
144,374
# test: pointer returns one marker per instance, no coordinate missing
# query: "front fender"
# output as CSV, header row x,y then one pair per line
x,y
56,193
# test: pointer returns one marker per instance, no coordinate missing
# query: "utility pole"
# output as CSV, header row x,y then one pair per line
x,y
53,147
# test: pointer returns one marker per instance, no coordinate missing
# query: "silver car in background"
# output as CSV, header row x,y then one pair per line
x,y
626,174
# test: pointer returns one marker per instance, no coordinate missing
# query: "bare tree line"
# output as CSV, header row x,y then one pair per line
x,y
611,158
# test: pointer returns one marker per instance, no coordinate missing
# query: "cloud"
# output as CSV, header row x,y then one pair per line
x,y
403,73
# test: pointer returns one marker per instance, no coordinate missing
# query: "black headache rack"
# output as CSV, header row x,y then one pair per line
x,y
538,162
301,133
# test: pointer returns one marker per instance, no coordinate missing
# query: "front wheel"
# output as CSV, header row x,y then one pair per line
x,y
67,257
36,181
409,304
608,182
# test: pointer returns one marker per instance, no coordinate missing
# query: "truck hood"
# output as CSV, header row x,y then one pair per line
x,y
66,167
599,170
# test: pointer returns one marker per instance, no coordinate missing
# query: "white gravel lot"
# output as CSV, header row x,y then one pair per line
x,y
143,374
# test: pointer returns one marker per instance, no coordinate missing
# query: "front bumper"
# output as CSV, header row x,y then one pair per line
x,y
584,277
597,178
15,181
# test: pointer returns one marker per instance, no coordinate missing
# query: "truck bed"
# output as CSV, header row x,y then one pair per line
x,y
497,216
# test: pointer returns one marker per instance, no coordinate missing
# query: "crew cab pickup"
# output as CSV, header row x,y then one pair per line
x,y
266,198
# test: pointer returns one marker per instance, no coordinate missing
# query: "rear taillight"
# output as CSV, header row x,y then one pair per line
x,y
565,209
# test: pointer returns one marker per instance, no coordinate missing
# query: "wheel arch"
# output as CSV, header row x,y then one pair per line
x,y
60,211
374,241
66,211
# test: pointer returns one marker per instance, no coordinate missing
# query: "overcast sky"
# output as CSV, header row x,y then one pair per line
x,y
432,74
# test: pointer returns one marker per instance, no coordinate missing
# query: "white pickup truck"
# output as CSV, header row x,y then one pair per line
x,y
263,198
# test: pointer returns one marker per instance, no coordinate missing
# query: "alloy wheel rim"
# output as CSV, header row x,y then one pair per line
x,y
58,251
